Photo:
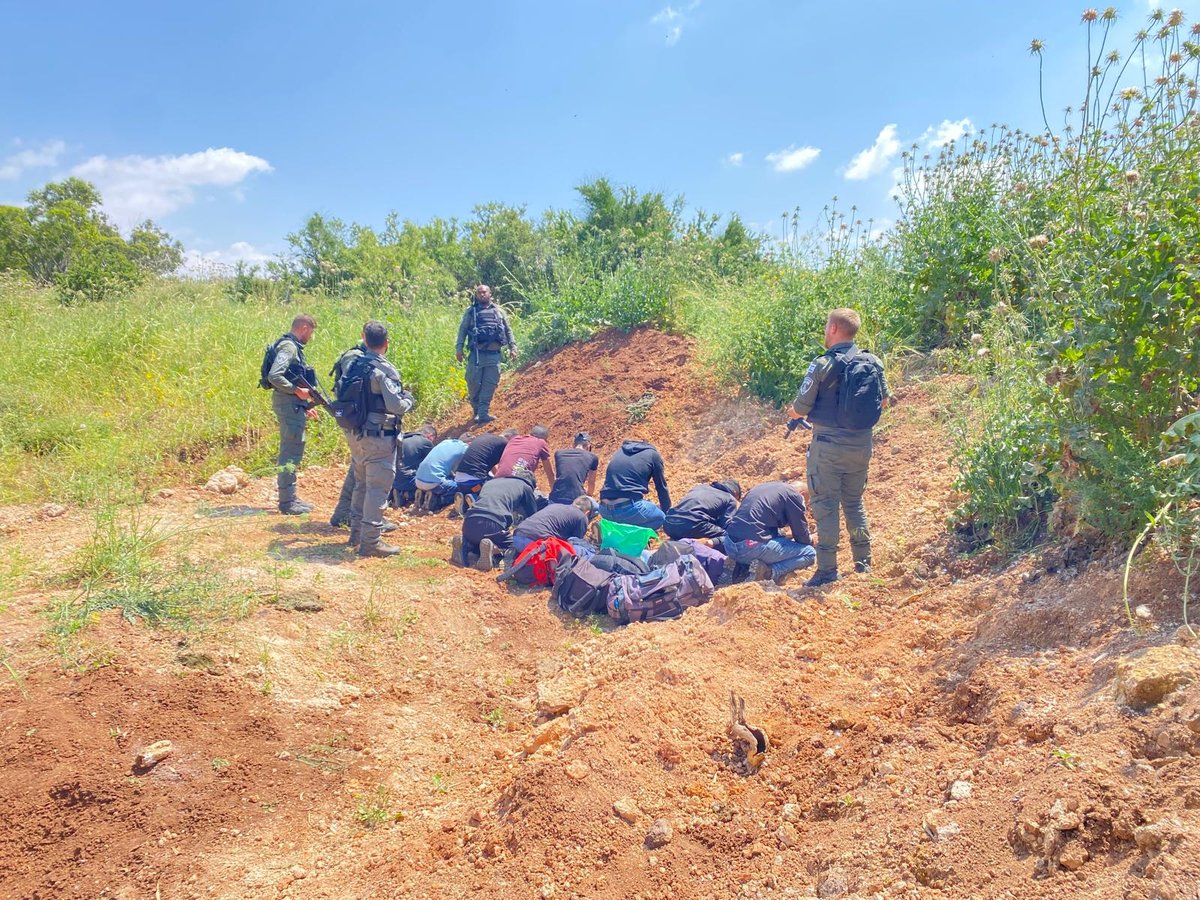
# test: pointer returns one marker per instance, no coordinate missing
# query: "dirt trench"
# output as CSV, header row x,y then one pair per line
x,y
402,728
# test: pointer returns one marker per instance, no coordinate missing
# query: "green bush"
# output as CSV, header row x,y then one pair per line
x,y
1091,233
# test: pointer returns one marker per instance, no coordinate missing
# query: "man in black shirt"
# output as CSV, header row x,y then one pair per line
x,y
413,448
487,526
754,535
573,468
704,513
627,482
476,465
561,520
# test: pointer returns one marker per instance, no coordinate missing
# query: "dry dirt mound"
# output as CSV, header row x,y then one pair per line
x,y
403,728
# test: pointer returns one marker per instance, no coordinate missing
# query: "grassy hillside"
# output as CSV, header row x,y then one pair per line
x,y
107,398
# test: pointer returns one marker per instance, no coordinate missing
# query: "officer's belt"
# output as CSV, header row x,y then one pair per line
x,y
381,432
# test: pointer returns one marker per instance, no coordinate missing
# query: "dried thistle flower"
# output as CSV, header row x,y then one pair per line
x,y
1038,242
1132,176
995,255
1090,15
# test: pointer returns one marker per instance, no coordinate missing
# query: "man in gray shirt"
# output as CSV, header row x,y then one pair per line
x,y
840,451
486,328
373,449
291,404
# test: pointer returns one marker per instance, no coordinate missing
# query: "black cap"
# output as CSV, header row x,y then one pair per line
x,y
583,438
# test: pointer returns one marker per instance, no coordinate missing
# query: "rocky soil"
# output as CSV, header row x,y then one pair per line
x,y
944,727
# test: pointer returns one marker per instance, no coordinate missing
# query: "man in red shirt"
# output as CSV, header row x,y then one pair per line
x,y
524,452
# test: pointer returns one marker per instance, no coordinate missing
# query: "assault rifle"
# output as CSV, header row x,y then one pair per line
x,y
318,399
793,424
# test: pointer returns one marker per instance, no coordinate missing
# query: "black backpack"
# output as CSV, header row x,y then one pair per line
x,y
269,354
618,563
860,394
352,393
581,588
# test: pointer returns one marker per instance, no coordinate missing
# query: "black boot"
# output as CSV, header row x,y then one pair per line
x,y
820,579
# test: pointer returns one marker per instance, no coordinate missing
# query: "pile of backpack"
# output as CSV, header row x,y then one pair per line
x,y
585,582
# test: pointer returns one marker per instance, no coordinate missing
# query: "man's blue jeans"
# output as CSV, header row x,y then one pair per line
x,y
636,512
780,554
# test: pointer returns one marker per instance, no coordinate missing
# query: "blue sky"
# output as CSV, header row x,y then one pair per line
x,y
229,123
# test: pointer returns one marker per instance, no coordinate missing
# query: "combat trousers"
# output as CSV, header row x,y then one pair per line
x,y
483,377
290,413
374,462
341,512
837,477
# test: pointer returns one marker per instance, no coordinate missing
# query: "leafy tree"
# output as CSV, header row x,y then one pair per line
x,y
63,238
14,237
153,250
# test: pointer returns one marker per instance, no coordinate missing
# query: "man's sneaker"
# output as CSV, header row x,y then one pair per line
x,y
387,527
339,521
862,566
460,507
762,572
295,508
820,579
487,552
380,549
456,551
484,419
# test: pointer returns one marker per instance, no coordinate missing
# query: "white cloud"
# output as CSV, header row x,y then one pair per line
x,y
40,157
735,159
220,263
936,138
875,159
793,159
139,187
673,19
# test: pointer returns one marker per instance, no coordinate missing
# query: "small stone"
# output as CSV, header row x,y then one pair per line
x,y
833,884
791,812
627,810
659,835
165,494
578,770
1143,612
548,889
1150,837
960,790
939,826
1145,678
298,872
788,836
53,510
153,755
1073,856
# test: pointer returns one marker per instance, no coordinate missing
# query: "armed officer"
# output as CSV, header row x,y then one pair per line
x,y
486,328
292,406
373,449
843,394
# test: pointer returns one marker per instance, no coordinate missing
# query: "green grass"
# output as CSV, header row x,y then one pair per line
x,y
125,565
115,398
376,808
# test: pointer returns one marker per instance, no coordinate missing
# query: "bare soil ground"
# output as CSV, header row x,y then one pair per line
x,y
944,727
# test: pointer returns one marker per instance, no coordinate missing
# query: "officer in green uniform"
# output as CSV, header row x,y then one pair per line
x,y
489,333
373,449
838,457
292,408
